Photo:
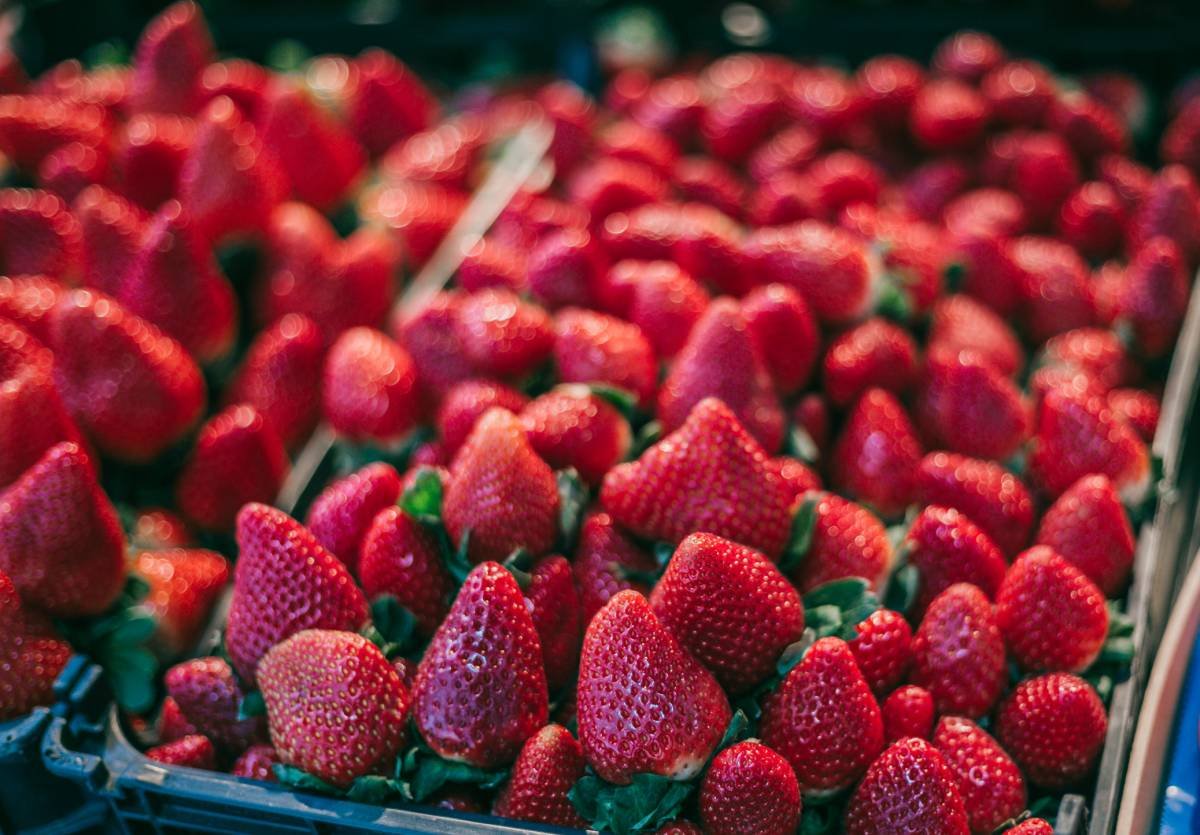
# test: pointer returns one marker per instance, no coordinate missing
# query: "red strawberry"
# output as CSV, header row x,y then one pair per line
x,y
466,402
991,274
1087,525
194,751
28,300
709,181
501,334
1092,219
38,235
388,101
968,55
708,475
257,763
958,652
883,649
1054,727
908,711
784,198
811,413
501,492
991,785
400,557
172,724
888,85
730,607
847,541
242,81
629,141
149,156
1092,128
318,678
1138,408
284,582
873,354
960,323
492,263
238,458
593,348
1019,93
555,610
155,528
875,459
749,788
1171,208
208,695
672,105
549,765
966,405
111,230
930,187
184,586
824,720
665,301
419,214
993,498
1044,173
171,54
827,100
645,704
946,548
368,389
1096,351
991,212
1052,616
796,477
948,115
1032,826
571,427
34,126
909,788
739,119
785,331
32,654
480,691
1056,287
608,562
72,168
1154,297
609,185
565,268
343,512
572,113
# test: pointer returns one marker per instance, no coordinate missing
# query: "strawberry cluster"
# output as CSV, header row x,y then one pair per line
x,y
774,460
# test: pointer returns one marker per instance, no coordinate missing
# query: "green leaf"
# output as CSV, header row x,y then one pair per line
x,y
623,400
902,589
823,620
457,561
953,276
423,499
793,653
572,501
803,525
395,624
134,629
894,302
647,436
645,804
1118,651
663,551
132,672
252,704
433,772
800,444
135,590
372,788
294,778
735,732
853,598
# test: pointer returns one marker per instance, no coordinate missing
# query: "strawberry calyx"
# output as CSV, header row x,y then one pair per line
x,y
351,456
836,608
572,502
392,627
420,773
804,522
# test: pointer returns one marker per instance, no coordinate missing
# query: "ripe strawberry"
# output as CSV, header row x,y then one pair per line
x,y
875,458
840,179
1032,826
430,339
991,496
501,334
111,233
1019,93
783,199
672,105
705,180
418,214
827,100
171,54
627,140
824,720
873,354
665,302
609,185
708,475
739,119
149,155
572,114
34,126
38,235
1044,173
318,678
645,704
1096,351
785,331
550,763
946,548
387,102
368,387
343,512
991,785
565,268
244,82
284,582
948,115
991,274
1054,727
492,263
1052,616
480,691
208,696
968,55
571,427
593,348
400,557
466,402
960,323
194,751
909,788
883,649
796,477
847,541
888,85
1055,284
990,212
555,610
184,587
257,763
607,562
172,724
1092,219
154,528
1154,297
1138,408
72,168
908,711
958,652
27,302
32,654
1092,128
930,187
966,405
1087,525
1171,208
749,788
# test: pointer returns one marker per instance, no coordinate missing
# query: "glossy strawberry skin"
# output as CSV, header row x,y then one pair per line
x,y
401,558
343,512
171,53
607,562
184,587
502,334
749,787
848,541
993,498
556,616
149,156
966,405
209,697
958,652
593,348
465,402
665,302
550,763
873,354
479,693
257,763
571,427
32,654
908,711
1054,727
946,547
1087,525
990,783
34,126
883,649
369,387
948,115
28,300
959,322
908,787
194,751
876,457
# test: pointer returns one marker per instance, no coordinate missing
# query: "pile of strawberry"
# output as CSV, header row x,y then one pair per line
x,y
610,545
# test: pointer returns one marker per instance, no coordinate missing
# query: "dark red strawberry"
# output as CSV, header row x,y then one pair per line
x,y
607,562
847,541
883,649
400,557
909,788
1056,287
991,496
968,55
946,548
387,102
811,413
826,99
960,323
571,427
466,402
184,587
991,785
257,763
873,354
591,347
1019,93
72,168
194,751
662,300
38,235
480,691
172,724
492,263
785,331
1091,127
784,198
1154,297
710,181
284,582
627,140
32,654
550,763
930,187
149,156
739,119
1054,727
876,457
947,115
1044,173
1171,208
556,617
964,404
34,126
27,302
368,387
322,678
888,85
209,697
1092,219
645,704
958,652
908,711
610,185
565,268
1097,351
111,230
501,334
171,54
1137,407
343,512
749,788
672,105
991,274
1087,525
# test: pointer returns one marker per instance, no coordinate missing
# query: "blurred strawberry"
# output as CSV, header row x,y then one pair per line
x,y
1019,93
1092,219
154,528
341,513
966,405
591,347
948,115
991,496
663,300
257,763
27,302
32,655
1092,128
876,456
968,55
958,323
430,338
171,54
571,427
629,141
184,586
193,751
1139,408
491,262
946,547
243,82
609,185
889,85
209,697
1155,295
1056,287
709,181
790,150
33,127
72,168
1171,208
38,235
368,387
785,332
566,268
387,102
1096,351
502,334
873,354
149,155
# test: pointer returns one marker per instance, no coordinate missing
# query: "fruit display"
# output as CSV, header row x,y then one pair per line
x,y
772,463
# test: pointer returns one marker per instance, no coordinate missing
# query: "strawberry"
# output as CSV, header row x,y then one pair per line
x,y
284,582
171,54
739,119
1154,297
1019,93
966,405
1170,208
1032,826
1087,525
34,126
704,180
27,302
1055,285
607,562
1092,219
368,387
280,377
38,235
1044,173
1092,128
111,232
672,105
418,214
888,85
1131,180
797,478
946,548
149,155
991,785
257,763
730,607
782,199
1138,408
492,263
501,334
480,690
430,339
594,348
572,114
1054,727
609,185
909,788
968,55
33,654
847,541
342,513
1181,141
811,413
645,704
930,187
184,587
722,359
466,402
155,528
1096,351
400,557
749,788
172,724
947,115
883,649
208,695
960,323
993,498
1077,435
958,652
875,459
1052,616
827,100
243,82
708,475
785,331
824,720
908,711
194,751
991,275
629,141
565,268
388,102
315,680
555,610
550,763
990,212
873,354
571,427
665,302
70,169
